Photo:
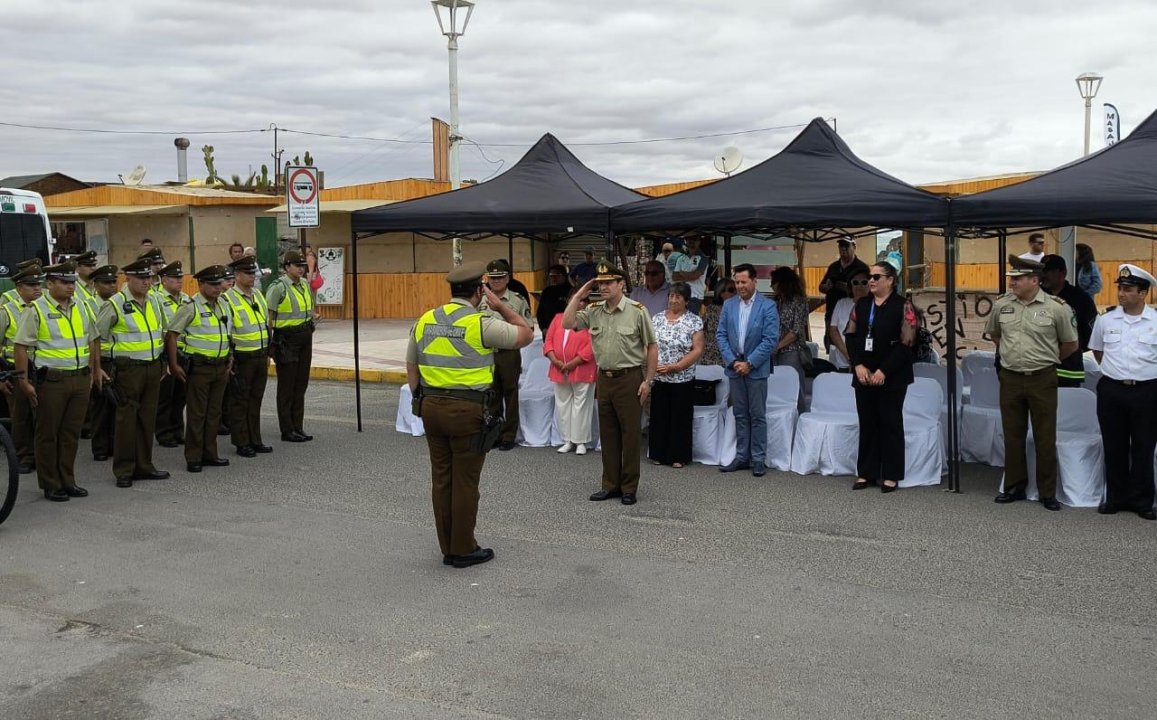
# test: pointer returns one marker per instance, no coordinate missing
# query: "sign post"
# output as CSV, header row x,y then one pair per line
x,y
301,199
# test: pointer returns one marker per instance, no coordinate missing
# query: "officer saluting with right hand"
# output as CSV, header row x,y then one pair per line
x,y
450,369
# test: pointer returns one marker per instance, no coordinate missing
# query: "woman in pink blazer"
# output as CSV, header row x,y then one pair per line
x,y
573,372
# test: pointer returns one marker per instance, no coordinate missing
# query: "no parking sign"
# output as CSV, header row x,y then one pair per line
x,y
301,196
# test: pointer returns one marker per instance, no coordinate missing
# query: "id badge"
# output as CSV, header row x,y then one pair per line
x,y
868,345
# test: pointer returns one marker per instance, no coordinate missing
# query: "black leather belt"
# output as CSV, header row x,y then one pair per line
x,y
54,373
251,354
618,373
201,360
129,362
1130,383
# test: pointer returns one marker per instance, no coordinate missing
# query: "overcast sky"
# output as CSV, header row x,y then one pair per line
x,y
925,90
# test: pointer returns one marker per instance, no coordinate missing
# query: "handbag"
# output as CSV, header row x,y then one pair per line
x,y
703,392
805,356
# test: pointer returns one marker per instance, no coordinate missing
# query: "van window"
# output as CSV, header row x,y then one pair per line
x,y
22,237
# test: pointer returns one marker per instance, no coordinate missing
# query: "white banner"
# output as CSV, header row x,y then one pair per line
x,y
1112,125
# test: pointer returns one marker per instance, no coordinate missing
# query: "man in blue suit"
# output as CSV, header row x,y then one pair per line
x,y
747,335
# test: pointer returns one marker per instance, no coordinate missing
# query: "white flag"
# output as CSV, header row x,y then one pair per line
x,y
1112,125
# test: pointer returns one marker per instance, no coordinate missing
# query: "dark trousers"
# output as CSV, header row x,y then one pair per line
x,y
881,413
205,387
251,372
1022,397
669,435
620,429
136,419
452,428
23,427
101,419
60,411
171,411
293,359
1129,432
507,371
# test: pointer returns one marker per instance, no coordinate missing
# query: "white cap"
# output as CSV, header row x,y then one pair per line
x,y
1128,274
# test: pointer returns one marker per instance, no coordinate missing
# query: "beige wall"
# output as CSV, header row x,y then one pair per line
x,y
168,232
1106,246
216,228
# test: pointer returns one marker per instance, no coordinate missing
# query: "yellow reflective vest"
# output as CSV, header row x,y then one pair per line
x,y
451,355
138,333
62,338
296,307
206,335
250,328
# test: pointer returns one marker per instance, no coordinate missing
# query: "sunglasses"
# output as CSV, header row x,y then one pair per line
x,y
876,276
865,282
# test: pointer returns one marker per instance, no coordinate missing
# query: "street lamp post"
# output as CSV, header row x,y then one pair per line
x,y
449,13
1088,84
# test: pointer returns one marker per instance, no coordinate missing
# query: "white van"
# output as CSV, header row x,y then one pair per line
x,y
24,230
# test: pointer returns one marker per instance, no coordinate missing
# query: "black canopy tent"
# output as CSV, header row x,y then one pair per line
x,y
548,192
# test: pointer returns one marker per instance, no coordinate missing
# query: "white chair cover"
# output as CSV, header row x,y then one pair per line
x,y
1080,453
939,373
707,429
827,437
405,421
535,404
1092,374
981,431
975,360
532,352
782,414
924,456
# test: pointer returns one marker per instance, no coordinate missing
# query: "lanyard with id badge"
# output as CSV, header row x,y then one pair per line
x,y
868,342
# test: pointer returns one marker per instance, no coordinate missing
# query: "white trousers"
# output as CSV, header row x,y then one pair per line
x,y
575,405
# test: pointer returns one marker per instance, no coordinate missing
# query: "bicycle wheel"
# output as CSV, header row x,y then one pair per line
x,y
13,466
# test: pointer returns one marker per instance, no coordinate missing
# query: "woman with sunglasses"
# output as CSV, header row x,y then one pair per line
x,y
838,350
879,338
711,355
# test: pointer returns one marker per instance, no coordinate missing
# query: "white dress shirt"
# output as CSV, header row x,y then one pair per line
x,y
1129,344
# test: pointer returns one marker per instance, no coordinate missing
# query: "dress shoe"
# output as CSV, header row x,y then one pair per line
x,y
567,447
1147,514
101,457
169,443
735,465
1050,503
261,449
506,446
154,475
305,437
56,495
1107,509
193,467
75,491
479,556
1007,497
246,451
447,559
758,469
580,449
124,483
628,499
292,437
214,462
605,495
889,488
25,469
861,483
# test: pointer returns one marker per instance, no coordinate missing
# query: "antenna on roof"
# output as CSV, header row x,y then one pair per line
x,y
729,160
136,177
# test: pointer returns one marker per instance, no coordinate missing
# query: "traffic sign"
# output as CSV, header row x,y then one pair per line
x,y
301,196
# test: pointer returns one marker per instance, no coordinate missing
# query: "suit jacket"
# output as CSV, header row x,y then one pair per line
x,y
759,342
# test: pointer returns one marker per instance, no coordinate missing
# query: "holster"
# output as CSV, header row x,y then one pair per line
x,y
491,429
186,362
237,384
416,403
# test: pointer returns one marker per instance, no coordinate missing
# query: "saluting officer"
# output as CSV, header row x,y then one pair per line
x,y
102,409
132,323
1124,342
12,294
292,316
27,290
1033,331
450,369
249,329
507,363
68,363
203,324
627,355
171,401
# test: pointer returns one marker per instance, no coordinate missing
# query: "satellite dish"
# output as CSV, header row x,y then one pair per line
x,y
729,160
137,176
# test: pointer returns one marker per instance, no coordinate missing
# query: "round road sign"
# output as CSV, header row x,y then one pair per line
x,y
302,186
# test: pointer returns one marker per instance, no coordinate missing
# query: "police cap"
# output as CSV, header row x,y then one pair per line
x,y
607,271
1018,266
88,258
141,267
498,268
211,274
62,271
154,256
105,273
173,270
245,264
466,273
293,257
28,275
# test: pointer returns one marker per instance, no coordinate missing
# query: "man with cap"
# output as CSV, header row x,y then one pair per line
x,y
627,355
291,317
450,369
1071,371
27,289
836,282
171,399
101,418
67,352
85,287
227,399
12,295
587,269
1124,341
1033,331
203,325
156,260
692,269
132,323
507,363
249,331
669,256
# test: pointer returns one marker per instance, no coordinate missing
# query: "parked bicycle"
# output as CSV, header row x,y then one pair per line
x,y
13,464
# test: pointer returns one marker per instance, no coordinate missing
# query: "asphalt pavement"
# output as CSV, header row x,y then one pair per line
x,y
308,584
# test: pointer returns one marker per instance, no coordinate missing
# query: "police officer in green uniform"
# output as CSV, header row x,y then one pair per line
x,y
507,363
627,355
203,325
132,323
171,400
27,290
102,408
249,330
450,369
291,317
1033,331
230,394
157,263
86,296
12,294
67,353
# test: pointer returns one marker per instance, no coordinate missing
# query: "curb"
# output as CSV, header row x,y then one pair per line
x,y
334,374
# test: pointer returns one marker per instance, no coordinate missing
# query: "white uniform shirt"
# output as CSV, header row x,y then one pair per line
x,y
840,317
1035,257
687,263
1129,344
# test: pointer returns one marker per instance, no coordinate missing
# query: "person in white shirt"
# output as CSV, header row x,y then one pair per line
x,y
1124,342
652,294
1036,247
838,352
692,269
669,257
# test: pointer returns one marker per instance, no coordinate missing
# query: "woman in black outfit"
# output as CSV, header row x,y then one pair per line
x,y
879,337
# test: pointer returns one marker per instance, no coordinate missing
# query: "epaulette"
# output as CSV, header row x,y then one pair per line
x,y
1054,297
1109,309
598,303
